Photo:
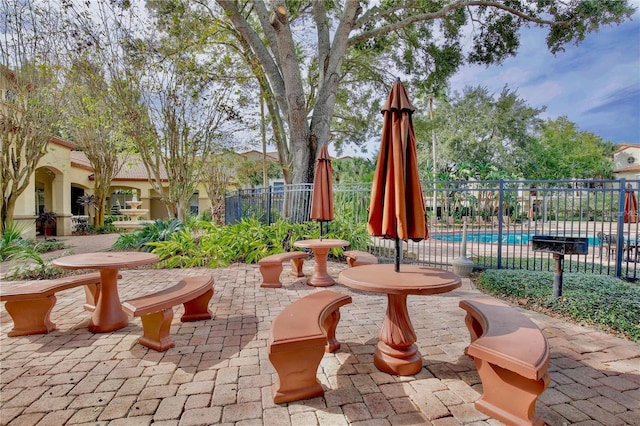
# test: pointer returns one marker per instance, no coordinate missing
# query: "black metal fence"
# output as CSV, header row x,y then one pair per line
x,y
496,218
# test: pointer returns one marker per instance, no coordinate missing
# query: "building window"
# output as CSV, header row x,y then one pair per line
x,y
10,96
193,204
39,201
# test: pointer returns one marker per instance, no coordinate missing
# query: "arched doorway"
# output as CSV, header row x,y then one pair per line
x,y
48,196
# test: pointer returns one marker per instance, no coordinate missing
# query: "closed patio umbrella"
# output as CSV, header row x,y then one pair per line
x,y
396,209
322,198
630,205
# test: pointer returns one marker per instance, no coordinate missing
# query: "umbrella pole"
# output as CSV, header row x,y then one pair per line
x,y
397,259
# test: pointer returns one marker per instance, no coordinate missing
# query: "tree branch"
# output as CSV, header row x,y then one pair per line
x,y
322,28
385,29
271,68
263,16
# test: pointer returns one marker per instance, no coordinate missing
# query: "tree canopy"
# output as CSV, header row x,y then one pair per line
x,y
478,127
489,136
561,151
92,122
310,51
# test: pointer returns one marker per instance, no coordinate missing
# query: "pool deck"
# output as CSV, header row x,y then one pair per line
x,y
219,372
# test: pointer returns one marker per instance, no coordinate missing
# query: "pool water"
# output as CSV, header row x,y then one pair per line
x,y
492,238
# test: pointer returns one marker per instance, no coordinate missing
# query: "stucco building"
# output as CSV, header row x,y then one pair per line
x,y
626,161
65,174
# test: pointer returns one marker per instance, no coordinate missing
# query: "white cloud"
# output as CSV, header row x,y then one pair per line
x,y
593,84
542,94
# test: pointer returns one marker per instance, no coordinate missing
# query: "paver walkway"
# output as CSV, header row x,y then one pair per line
x,y
219,372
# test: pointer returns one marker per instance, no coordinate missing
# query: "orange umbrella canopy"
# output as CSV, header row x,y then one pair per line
x,y
630,206
322,198
396,210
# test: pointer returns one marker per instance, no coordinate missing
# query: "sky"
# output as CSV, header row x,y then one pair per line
x,y
595,84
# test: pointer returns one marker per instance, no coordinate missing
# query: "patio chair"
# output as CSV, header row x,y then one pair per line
x,y
610,243
601,240
506,221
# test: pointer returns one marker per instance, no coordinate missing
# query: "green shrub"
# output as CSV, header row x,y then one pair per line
x,y
45,246
105,229
160,230
597,300
11,240
27,253
246,241
31,265
127,242
180,250
250,240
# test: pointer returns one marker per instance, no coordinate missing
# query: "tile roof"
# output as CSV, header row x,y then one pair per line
x,y
253,153
635,168
624,146
132,170
80,160
62,142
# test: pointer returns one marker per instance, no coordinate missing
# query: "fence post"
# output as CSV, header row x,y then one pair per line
x,y
500,221
269,205
620,227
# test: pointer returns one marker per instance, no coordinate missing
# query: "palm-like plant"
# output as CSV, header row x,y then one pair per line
x,y
46,219
32,265
160,230
11,240
88,200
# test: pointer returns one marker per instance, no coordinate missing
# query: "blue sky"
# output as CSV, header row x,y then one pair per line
x,y
595,84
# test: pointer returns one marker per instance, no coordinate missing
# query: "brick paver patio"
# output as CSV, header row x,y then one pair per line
x,y
219,372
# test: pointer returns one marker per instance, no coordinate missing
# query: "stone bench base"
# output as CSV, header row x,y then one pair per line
x,y
299,337
156,309
271,267
357,258
512,358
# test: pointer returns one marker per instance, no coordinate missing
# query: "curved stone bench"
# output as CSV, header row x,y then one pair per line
x,y
156,309
357,258
512,358
30,304
271,267
299,337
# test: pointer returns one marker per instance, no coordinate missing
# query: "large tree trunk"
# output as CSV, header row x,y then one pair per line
x,y
101,187
7,211
183,208
101,198
282,68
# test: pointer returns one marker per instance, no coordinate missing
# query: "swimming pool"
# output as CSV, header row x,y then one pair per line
x,y
492,238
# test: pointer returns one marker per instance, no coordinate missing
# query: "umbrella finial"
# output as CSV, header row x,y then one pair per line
x,y
398,79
